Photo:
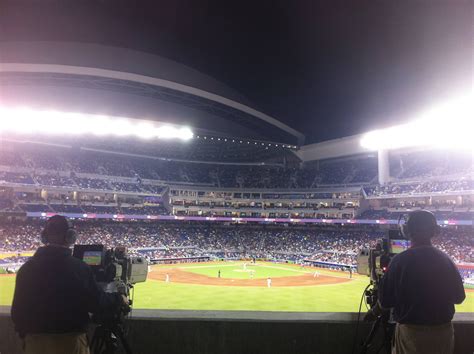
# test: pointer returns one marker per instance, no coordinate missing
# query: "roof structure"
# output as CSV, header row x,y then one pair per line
x,y
97,79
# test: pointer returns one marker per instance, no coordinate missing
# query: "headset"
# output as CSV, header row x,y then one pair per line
x,y
69,233
407,228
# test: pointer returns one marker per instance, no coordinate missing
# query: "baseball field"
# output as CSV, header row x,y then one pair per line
x,y
262,286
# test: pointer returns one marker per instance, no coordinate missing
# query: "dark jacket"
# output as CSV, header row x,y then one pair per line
x,y
55,293
422,285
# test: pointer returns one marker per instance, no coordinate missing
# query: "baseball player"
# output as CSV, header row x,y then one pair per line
x,y
269,282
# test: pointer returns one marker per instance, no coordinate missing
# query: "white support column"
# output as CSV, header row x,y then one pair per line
x,y
383,167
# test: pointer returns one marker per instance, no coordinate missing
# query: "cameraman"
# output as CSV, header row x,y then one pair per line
x,y
54,295
422,285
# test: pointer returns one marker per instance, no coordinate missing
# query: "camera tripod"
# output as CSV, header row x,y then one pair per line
x,y
387,328
106,337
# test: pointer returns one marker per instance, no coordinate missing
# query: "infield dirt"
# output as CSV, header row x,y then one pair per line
x,y
180,276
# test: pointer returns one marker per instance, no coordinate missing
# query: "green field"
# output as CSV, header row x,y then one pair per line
x,y
156,294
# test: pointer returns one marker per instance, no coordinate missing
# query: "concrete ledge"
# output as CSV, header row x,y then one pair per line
x,y
253,316
209,332
259,316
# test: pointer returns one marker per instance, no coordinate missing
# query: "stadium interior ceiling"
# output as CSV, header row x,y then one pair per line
x,y
89,78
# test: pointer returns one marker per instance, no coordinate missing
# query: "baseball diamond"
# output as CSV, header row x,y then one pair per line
x,y
196,286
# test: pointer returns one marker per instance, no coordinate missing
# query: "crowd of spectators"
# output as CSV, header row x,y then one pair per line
x,y
92,183
387,214
36,208
431,164
16,177
5,203
45,164
421,187
55,207
94,170
451,242
98,183
185,239
144,210
10,158
67,208
55,180
363,170
263,177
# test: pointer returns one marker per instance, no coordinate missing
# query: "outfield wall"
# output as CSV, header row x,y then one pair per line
x,y
209,332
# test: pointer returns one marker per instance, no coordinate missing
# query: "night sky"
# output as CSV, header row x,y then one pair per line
x,y
327,68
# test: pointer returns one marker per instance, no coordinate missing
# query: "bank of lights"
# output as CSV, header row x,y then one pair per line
x,y
28,121
448,126
266,145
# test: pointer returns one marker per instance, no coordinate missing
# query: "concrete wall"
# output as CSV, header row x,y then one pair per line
x,y
342,147
200,332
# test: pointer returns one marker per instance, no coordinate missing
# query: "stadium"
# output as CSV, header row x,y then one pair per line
x,y
230,207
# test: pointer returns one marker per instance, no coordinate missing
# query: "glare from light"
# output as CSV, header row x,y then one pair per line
x,y
28,121
447,126
170,132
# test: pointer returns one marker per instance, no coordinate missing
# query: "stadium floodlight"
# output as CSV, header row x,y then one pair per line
x,y
448,126
28,121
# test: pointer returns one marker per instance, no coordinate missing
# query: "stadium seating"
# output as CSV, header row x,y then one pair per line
x,y
421,187
107,174
50,162
16,177
54,180
5,203
11,158
422,164
67,208
180,239
395,214
36,207
144,210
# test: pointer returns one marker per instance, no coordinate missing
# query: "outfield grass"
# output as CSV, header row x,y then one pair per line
x,y
328,298
7,285
155,294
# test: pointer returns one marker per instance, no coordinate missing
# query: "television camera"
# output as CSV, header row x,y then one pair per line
x,y
374,262
113,269
115,272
